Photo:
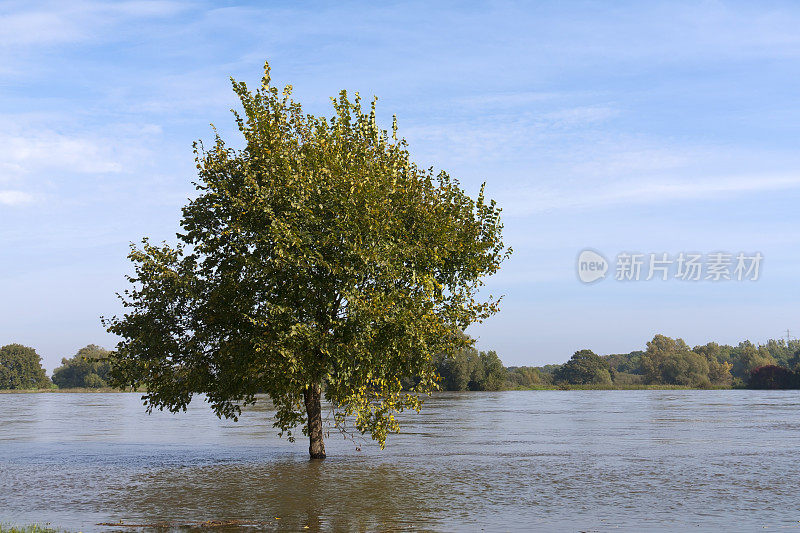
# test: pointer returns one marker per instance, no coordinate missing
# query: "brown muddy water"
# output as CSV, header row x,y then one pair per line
x,y
506,461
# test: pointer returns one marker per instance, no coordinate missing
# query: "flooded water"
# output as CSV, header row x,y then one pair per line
x,y
550,460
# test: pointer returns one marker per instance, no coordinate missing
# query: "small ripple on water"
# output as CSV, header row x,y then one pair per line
x,y
627,459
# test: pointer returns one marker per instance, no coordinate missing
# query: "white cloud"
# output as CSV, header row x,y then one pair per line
x,y
15,197
75,21
44,158
30,152
37,28
543,199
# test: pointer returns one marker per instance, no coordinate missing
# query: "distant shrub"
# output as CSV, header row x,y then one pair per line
x,y
21,368
87,369
624,379
772,377
584,368
527,377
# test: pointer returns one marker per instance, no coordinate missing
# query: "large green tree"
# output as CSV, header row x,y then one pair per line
x,y
670,361
88,368
21,368
584,368
319,256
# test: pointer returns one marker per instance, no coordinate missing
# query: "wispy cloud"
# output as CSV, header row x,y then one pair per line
x,y
543,199
46,158
75,21
34,152
12,198
21,29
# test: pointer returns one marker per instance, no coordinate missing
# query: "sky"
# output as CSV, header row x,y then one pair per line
x,y
639,127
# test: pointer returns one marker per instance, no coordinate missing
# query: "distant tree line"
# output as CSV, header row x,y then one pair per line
x,y
665,361
470,369
21,369
671,361
668,361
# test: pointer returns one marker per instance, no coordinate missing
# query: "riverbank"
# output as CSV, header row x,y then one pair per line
x,y
33,528
629,387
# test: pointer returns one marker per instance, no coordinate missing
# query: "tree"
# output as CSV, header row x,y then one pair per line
x,y
88,368
21,368
494,373
778,350
628,363
719,374
317,256
670,361
719,368
746,357
526,377
584,368
794,361
772,377
461,370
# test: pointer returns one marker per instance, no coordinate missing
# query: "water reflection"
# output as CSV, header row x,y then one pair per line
x,y
290,495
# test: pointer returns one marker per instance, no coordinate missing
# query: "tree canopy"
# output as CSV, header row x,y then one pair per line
x,y
319,255
469,369
460,370
21,368
584,368
88,368
671,361
773,377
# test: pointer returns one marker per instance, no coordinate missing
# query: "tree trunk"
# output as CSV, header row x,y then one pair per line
x,y
313,398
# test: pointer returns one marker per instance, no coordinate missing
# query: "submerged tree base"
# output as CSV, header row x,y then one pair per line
x,y
313,400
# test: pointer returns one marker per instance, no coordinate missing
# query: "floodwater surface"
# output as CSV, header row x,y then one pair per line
x,y
505,461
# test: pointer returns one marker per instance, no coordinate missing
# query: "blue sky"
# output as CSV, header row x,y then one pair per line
x,y
640,126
